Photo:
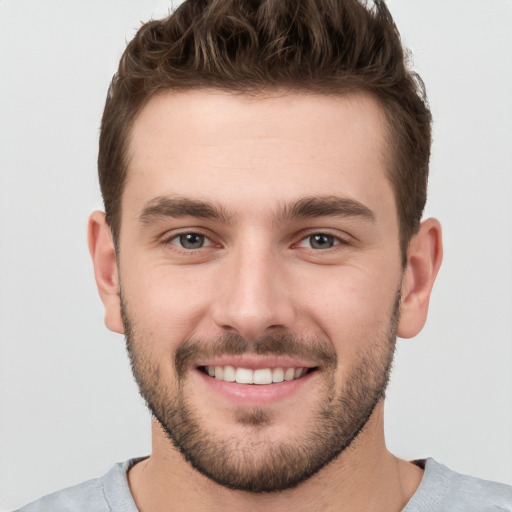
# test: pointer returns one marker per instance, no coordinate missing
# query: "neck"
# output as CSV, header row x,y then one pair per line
x,y
365,477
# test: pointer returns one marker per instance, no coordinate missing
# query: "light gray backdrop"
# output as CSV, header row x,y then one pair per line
x,y
68,406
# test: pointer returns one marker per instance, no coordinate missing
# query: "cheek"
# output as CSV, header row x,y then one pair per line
x,y
353,308
166,304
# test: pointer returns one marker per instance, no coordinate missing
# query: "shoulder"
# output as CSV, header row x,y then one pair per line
x,y
82,497
106,494
443,489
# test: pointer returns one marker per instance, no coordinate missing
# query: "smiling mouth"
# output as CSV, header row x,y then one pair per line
x,y
261,376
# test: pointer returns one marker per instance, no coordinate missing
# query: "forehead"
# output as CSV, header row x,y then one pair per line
x,y
260,150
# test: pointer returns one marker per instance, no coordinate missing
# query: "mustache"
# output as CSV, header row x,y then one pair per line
x,y
283,344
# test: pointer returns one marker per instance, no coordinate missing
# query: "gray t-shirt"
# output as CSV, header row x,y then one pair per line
x,y
441,490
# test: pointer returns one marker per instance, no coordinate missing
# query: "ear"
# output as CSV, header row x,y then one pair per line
x,y
103,253
424,257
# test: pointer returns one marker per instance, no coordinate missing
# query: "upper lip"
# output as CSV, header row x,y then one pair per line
x,y
255,362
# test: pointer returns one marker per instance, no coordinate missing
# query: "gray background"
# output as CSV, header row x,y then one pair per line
x,y
68,406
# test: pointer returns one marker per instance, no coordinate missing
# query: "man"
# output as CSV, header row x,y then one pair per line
x,y
263,167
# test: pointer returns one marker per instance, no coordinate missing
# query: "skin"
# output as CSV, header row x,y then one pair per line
x,y
258,274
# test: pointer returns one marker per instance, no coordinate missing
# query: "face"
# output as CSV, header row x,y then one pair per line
x,y
260,270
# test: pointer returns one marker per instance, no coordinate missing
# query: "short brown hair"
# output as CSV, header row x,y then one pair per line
x,y
250,46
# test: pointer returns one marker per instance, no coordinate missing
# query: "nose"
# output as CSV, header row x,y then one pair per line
x,y
253,296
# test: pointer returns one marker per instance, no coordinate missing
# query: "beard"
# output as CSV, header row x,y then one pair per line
x,y
254,462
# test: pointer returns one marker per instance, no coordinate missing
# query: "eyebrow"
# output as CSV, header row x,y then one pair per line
x,y
307,207
326,206
176,207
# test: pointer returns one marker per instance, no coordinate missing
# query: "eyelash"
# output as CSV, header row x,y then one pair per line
x,y
179,236
336,241
177,241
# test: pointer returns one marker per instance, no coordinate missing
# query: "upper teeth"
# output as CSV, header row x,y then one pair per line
x,y
247,376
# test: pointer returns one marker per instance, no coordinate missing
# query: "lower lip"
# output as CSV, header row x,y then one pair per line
x,y
254,395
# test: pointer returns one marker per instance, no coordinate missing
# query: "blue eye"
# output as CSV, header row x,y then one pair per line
x,y
191,240
322,241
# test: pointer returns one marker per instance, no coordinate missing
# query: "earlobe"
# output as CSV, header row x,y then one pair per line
x,y
424,258
103,254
